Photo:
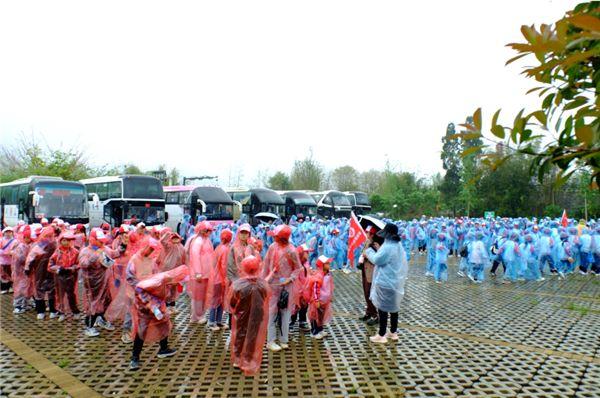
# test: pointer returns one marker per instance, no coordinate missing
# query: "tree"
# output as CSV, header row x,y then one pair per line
x,y
279,182
344,178
131,169
469,168
566,57
307,174
451,149
370,181
174,177
27,157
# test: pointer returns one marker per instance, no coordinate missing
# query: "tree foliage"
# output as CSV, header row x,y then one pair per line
x,y
564,131
279,182
451,162
307,174
344,178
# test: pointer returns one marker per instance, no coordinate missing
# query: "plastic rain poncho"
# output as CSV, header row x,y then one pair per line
x,y
63,264
389,276
37,264
218,275
200,259
250,296
171,256
22,283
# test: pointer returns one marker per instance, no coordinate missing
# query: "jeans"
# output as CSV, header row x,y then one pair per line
x,y
215,315
383,317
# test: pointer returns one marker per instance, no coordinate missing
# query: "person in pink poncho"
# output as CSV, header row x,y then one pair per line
x,y
249,304
36,264
63,263
151,321
200,259
321,295
94,260
218,282
22,283
301,287
172,255
281,268
7,243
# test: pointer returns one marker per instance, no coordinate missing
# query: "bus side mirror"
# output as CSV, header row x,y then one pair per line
x,y
166,216
203,205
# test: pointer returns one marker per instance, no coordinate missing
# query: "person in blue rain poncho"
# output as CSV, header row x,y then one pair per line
x,y
431,244
477,258
463,251
586,255
389,278
545,250
511,256
530,260
442,249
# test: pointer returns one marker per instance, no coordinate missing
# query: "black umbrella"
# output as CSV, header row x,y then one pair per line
x,y
376,223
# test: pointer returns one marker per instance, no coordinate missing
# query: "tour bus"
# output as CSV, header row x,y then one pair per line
x,y
115,199
298,202
332,204
33,198
211,202
359,201
258,200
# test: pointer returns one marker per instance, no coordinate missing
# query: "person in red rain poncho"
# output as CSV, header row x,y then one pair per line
x,y
218,282
301,287
151,321
200,258
7,243
249,304
281,268
120,292
63,263
22,286
172,255
321,293
138,238
37,265
94,261
240,249
80,236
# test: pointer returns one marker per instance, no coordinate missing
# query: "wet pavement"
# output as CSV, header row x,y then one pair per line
x,y
529,339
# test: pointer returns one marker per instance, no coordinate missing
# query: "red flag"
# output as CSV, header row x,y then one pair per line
x,y
564,221
356,237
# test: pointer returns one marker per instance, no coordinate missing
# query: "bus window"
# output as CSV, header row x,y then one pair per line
x,y
172,198
114,190
328,201
102,190
142,188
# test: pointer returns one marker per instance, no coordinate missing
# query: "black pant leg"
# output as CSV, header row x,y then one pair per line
x,y
51,305
164,344
382,322
138,344
40,306
303,311
394,322
72,301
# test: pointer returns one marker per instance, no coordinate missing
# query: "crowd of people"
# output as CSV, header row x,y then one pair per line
x,y
261,281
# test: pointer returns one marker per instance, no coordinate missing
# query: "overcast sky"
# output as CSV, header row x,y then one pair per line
x,y
210,87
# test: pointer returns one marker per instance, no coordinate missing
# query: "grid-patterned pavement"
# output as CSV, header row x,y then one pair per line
x,y
529,339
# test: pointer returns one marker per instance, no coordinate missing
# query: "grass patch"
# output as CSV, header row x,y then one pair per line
x,y
582,310
63,363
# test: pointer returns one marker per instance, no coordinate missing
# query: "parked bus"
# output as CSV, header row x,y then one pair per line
x,y
211,202
258,200
332,204
359,201
33,198
115,199
297,202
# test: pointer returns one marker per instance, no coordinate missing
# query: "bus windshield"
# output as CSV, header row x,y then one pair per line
x,y
272,208
60,200
218,211
362,199
339,199
150,215
142,188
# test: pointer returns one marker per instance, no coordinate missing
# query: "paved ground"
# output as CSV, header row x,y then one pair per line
x,y
534,339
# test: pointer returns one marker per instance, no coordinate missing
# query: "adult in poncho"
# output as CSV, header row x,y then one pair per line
x,y
151,321
200,257
389,278
171,256
249,304
36,264
94,260
281,268
22,286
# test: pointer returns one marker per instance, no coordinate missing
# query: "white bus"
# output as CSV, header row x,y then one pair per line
x,y
359,201
33,198
135,198
211,202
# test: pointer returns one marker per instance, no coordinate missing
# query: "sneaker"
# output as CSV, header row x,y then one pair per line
x,y
273,346
461,274
202,320
582,272
478,281
303,326
346,271
126,338
91,332
378,339
169,352
317,336
364,318
541,279
223,326
61,318
284,345
104,324
373,321
440,282
134,364
493,274
77,316
3,291
471,278
41,317
53,315
236,365
428,273
214,328
561,275
392,336
19,310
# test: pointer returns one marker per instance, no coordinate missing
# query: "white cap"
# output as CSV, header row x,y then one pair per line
x,y
7,229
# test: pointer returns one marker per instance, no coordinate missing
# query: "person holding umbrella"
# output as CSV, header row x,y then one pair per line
x,y
389,277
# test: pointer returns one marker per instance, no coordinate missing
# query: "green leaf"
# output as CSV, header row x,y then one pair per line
x,y
585,134
586,22
576,103
513,59
495,118
540,116
547,102
477,119
498,131
470,151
